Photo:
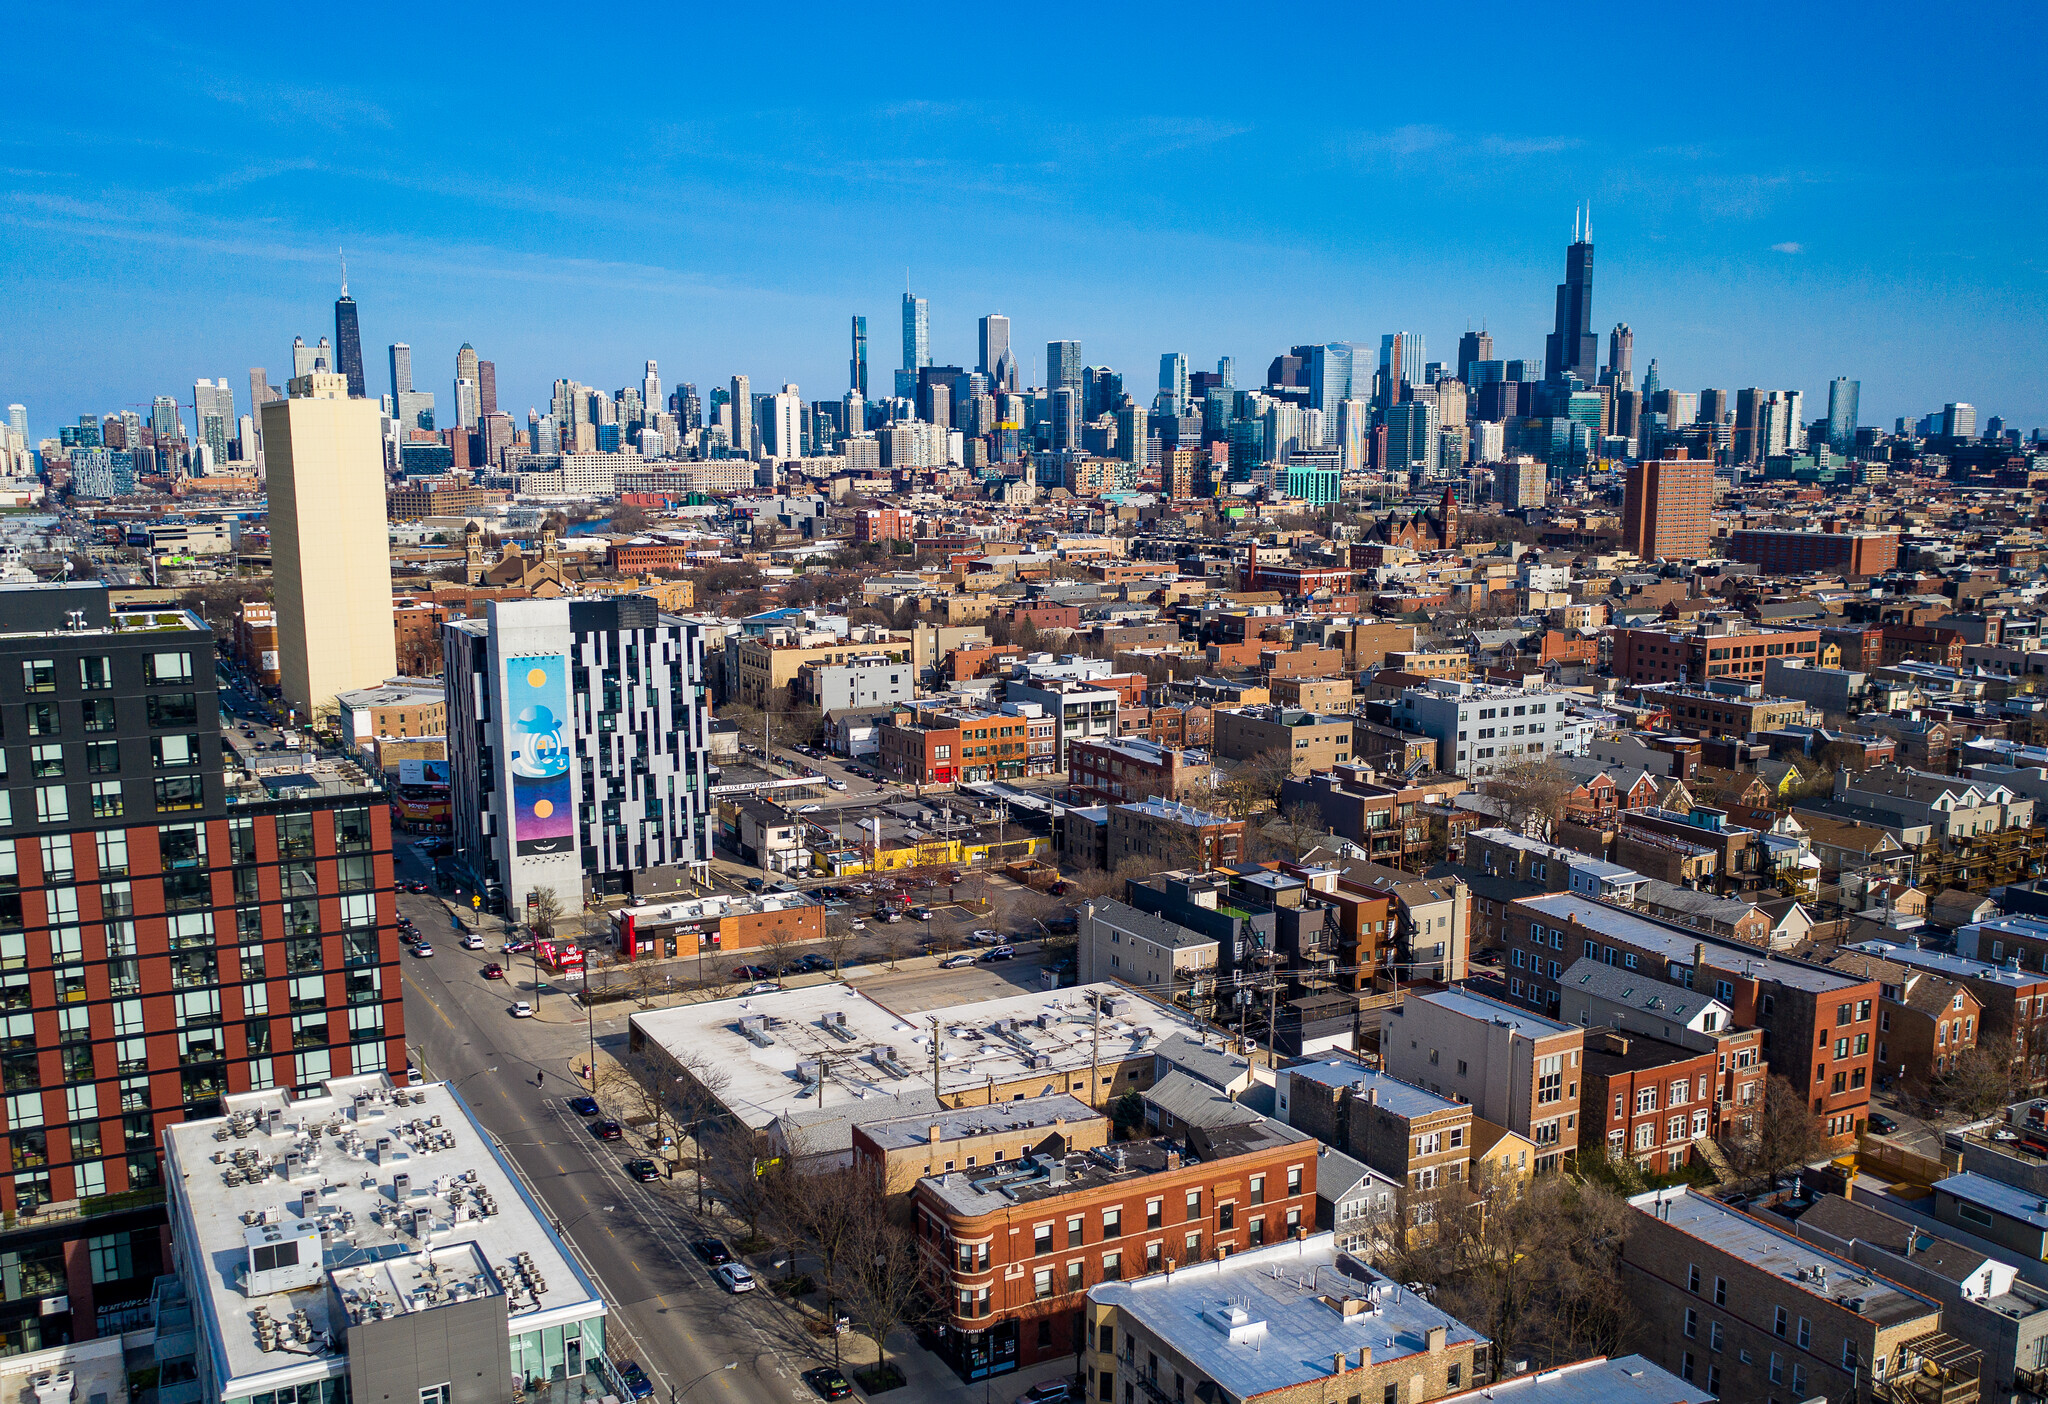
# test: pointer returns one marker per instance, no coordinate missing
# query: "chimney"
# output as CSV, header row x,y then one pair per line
x,y
932,1135
1365,1357
1372,1096
1436,1338
1699,964
1338,1368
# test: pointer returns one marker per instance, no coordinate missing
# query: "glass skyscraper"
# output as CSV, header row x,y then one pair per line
x,y
348,342
1063,365
1842,396
1573,347
917,334
1331,375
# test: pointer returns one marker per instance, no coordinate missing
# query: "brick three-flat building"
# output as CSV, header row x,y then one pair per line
x,y
1019,1243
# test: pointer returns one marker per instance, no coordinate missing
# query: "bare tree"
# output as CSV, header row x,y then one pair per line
x,y
1976,1084
1534,1264
778,945
639,1100
826,1210
889,1281
1111,883
730,1160
894,942
1252,787
543,913
840,939
1783,1133
1298,829
1532,797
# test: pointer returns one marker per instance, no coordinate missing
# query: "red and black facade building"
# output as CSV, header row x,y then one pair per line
x,y
166,938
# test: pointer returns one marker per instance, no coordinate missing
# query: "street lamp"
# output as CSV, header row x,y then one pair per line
x,y
674,1394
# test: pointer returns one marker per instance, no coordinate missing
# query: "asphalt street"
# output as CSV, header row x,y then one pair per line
x,y
666,1312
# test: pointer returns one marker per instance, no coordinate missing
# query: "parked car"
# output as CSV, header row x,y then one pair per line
x,y
522,1010
921,913
713,1251
634,1380
494,971
472,942
607,1130
423,949
585,1106
515,947
836,784
985,936
814,962
1000,953
752,972
1882,1124
828,1383
733,1277
1051,1392
753,884
764,987
958,962
643,1169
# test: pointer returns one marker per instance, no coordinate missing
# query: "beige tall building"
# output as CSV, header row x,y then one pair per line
x,y
325,457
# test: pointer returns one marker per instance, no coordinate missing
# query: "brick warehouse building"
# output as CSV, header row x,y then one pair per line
x,y
1799,552
164,940
1658,655
1020,1243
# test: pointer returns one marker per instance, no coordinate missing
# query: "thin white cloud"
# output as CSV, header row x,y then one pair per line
x,y
1788,247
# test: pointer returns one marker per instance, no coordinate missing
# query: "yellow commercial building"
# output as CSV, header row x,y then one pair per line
x,y
329,544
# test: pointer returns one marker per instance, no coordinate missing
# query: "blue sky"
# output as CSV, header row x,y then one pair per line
x,y
1780,194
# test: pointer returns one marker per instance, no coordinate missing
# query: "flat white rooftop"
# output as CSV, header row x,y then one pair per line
x,y
828,1045
408,1202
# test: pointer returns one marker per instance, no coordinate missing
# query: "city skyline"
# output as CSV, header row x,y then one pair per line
x,y
761,224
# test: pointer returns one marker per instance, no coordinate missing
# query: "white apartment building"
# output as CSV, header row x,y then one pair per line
x,y
1482,727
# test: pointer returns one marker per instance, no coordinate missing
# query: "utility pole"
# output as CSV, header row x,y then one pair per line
x,y
1272,1013
935,1062
1095,1054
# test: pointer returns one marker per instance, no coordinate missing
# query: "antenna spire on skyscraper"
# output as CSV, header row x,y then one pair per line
x,y
344,272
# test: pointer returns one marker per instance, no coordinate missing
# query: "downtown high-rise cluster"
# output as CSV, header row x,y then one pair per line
x,y
1324,411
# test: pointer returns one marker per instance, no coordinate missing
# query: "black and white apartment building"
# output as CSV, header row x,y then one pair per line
x,y
578,745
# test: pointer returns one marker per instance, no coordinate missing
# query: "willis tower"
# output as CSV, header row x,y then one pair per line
x,y
1574,347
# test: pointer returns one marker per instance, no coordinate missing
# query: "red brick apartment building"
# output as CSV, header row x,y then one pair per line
x,y
1111,772
1667,509
1655,655
1648,1100
949,747
1020,1243
1820,1026
882,524
633,557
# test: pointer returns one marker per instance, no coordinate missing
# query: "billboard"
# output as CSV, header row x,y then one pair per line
x,y
537,702
423,772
